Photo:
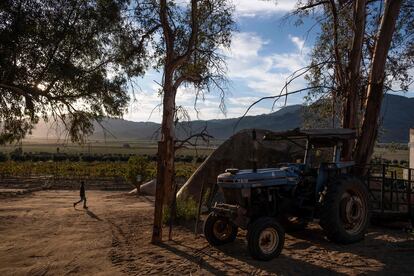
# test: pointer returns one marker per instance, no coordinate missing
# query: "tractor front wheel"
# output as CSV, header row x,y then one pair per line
x,y
265,238
344,213
219,230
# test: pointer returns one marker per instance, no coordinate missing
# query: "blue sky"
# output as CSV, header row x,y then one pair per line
x,y
265,50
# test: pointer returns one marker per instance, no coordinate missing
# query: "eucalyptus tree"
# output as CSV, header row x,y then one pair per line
x,y
183,40
59,59
371,45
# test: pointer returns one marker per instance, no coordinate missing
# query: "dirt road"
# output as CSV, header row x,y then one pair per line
x,y
42,234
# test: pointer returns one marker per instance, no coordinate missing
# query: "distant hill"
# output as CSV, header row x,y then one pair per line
x,y
397,116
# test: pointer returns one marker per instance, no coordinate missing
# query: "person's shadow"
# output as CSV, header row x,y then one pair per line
x,y
92,215
89,213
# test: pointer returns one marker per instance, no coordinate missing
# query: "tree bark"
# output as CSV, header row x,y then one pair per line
x,y
339,72
165,165
375,87
350,118
168,137
159,198
165,188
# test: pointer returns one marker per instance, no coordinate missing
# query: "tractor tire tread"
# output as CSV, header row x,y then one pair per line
x,y
329,220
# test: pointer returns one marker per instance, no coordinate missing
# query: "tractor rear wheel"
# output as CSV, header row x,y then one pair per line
x,y
344,213
265,238
219,230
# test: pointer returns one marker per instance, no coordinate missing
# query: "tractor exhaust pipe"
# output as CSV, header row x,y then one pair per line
x,y
255,146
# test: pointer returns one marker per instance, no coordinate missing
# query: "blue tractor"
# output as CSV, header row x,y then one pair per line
x,y
268,202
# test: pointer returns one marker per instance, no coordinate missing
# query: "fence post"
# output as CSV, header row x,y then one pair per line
x,y
200,201
382,188
393,177
409,194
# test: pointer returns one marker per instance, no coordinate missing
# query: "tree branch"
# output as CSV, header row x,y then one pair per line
x,y
193,37
169,39
24,91
276,97
312,5
181,79
338,61
294,76
203,135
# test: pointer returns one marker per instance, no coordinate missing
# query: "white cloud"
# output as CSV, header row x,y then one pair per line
x,y
251,8
146,101
246,45
264,74
300,43
261,74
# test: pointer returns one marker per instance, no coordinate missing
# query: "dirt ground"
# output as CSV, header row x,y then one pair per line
x,y
42,234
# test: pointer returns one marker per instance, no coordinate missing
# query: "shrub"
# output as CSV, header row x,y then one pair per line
x,y
74,158
3,157
59,157
403,162
186,210
201,158
188,158
137,165
88,158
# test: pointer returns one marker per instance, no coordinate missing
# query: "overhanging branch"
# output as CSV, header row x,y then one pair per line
x,y
276,97
203,134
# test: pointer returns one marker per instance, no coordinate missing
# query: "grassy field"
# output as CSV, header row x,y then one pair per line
x,y
149,147
139,147
78,169
391,154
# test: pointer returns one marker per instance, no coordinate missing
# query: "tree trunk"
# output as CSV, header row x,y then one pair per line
x,y
350,118
166,148
165,168
159,198
375,87
165,165
168,137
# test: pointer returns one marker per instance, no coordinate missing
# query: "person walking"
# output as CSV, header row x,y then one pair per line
x,y
82,196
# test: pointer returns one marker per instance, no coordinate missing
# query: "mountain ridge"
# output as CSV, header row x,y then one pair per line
x,y
397,116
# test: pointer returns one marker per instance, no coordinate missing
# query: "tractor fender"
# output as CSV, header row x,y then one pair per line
x,y
322,178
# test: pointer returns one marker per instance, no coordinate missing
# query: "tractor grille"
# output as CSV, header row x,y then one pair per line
x,y
233,196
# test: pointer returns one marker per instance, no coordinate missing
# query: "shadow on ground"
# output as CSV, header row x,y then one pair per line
x,y
92,215
236,253
383,251
392,249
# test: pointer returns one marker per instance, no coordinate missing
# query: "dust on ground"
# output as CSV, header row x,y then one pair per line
x,y
42,234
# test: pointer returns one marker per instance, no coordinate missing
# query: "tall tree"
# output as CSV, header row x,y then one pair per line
x,y
350,116
183,39
375,87
59,60
372,53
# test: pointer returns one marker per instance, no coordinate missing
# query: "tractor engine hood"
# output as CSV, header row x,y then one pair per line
x,y
240,179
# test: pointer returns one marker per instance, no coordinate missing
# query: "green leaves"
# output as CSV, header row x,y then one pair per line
x,y
138,165
57,60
